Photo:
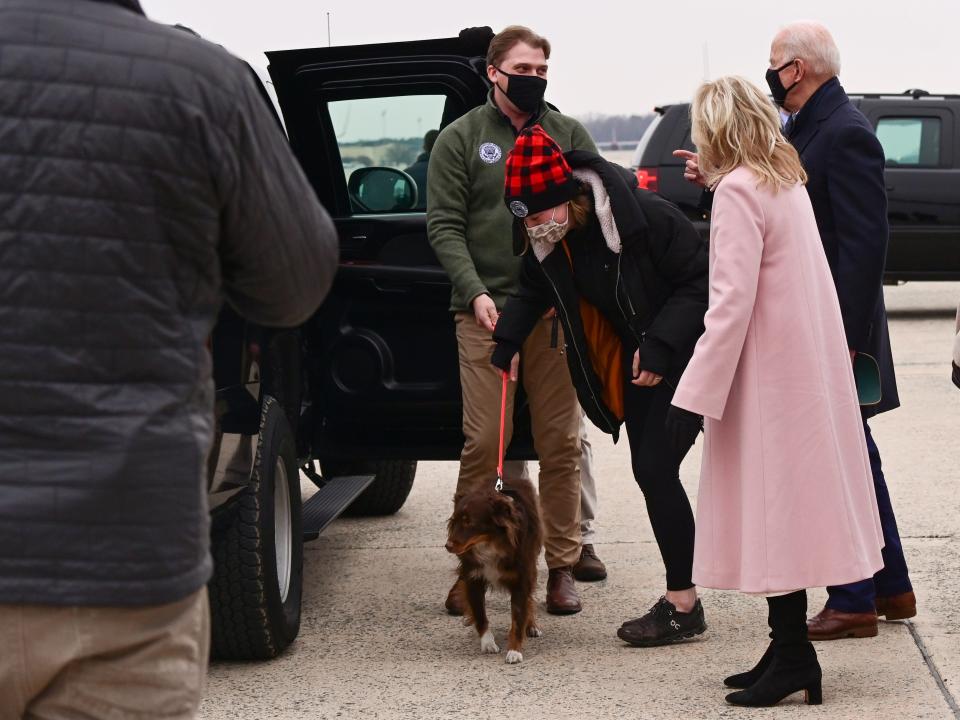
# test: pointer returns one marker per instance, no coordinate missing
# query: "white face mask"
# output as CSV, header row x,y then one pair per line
x,y
551,231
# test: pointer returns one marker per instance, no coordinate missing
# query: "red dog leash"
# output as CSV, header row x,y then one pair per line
x,y
503,418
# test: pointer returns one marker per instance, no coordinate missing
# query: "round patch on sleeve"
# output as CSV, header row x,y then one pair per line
x,y
519,209
490,153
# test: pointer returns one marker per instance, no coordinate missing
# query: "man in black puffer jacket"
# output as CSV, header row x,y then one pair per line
x,y
142,179
627,273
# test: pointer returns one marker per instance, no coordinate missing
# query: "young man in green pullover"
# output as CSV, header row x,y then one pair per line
x,y
471,232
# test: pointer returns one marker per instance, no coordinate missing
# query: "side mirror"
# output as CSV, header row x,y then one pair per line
x,y
381,190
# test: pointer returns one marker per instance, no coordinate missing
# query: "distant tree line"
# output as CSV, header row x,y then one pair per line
x,y
616,128
397,152
604,129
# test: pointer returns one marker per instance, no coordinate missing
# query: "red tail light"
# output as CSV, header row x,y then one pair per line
x,y
649,178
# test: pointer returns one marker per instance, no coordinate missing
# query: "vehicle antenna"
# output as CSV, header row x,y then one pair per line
x,y
329,41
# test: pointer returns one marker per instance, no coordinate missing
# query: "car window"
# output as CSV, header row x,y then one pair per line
x,y
645,140
385,145
910,141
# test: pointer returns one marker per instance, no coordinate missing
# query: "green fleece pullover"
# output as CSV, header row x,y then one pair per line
x,y
469,226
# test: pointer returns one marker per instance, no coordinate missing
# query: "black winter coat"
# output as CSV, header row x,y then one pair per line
x,y
658,280
142,179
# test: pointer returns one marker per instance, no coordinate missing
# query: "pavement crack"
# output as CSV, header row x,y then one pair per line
x,y
934,671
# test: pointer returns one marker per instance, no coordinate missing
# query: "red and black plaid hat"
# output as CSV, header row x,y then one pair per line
x,y
538,176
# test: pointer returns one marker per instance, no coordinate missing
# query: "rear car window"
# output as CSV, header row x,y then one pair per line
x,y
910,141
673,133
645,140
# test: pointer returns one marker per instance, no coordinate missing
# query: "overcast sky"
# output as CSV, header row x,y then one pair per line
x,y
614,57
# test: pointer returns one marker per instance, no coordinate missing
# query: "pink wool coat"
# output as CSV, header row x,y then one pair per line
x,y
786,497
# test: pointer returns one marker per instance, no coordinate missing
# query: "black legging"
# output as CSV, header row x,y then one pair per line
x,y
658,475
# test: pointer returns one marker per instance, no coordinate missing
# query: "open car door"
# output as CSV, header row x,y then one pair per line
x,y
381,354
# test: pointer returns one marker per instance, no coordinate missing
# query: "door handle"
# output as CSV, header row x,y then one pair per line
x,y
889,188
386,285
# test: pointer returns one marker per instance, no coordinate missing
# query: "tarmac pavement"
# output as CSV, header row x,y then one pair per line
x,y
376,643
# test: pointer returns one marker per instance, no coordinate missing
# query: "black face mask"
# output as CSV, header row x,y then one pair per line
x,y
777,89
524,91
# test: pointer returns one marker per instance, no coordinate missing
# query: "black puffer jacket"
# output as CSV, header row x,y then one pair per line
x,y
657,284
142,178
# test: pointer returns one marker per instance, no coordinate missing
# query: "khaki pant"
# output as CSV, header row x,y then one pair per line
x,y
588,487
555,416
100,663
588,484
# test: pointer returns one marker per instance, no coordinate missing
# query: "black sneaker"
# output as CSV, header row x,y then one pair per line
x,y
663,625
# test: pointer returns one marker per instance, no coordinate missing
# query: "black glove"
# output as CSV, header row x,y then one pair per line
x,y
503,355
683,427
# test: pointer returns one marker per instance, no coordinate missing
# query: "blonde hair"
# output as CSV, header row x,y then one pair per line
x,y
735,124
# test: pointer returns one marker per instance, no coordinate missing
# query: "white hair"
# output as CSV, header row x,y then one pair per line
x,y
812,43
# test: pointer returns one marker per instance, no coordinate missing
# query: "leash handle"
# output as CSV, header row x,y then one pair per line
x,y
503,419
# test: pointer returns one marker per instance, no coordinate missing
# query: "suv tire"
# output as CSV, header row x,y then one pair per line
x,y
392,482
257,547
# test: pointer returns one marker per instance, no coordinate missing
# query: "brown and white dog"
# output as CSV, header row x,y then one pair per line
x,y
497,538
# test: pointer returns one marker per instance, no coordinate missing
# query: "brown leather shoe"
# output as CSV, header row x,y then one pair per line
x,y
562,598
897,607
455,601
835,625
589,567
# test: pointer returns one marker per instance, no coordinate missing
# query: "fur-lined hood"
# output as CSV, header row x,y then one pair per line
x,y
614,196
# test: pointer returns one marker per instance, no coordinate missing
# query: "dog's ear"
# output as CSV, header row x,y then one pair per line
x,y
505,515
458,510
503,506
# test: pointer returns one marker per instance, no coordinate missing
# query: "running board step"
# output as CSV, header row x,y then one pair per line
x,y
329,501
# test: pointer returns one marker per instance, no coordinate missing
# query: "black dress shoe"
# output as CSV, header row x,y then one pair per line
x,y
790,670
663,625
746,679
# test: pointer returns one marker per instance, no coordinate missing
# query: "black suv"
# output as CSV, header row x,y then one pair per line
x,y
920,134
370,384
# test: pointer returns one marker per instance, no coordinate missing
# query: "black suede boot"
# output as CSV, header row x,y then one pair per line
x,y
743,680
746,679
793,664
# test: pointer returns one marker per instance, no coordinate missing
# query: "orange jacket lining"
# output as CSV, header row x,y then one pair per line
x,y
605,350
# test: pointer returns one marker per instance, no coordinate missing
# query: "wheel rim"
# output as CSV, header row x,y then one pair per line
x,y
282,528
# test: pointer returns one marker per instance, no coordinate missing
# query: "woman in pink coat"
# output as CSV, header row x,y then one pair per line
x,y
786,497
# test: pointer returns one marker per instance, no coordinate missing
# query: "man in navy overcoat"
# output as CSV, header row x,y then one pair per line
x,y
845,163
